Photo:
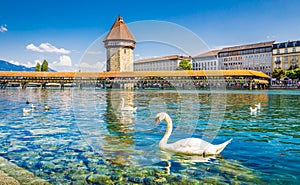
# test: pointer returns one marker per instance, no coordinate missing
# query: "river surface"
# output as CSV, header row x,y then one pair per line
x,y
85,138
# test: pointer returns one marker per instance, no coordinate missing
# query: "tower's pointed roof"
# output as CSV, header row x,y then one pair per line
x,y
119,31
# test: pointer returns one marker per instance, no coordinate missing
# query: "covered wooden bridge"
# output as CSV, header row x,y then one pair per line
x,y
141,79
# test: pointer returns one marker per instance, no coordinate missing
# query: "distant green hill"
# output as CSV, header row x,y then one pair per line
x,y
6,66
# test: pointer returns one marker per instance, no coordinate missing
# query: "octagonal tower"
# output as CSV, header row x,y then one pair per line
x,y
119,44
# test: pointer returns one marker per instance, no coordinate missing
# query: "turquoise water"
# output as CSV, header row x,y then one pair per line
x,y
86,139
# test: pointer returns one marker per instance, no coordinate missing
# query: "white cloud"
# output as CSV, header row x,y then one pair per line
x,y
32,64
64,60
3,28
14,62
270,36
47,47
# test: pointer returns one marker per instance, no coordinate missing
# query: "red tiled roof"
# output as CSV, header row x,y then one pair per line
x,y
155,59
119,31
208,53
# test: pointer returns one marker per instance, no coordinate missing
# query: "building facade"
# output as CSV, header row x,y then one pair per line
x,y
286,54
256,56
119,44
166,63
206,61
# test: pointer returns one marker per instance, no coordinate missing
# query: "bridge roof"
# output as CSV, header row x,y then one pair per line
x,y
200,73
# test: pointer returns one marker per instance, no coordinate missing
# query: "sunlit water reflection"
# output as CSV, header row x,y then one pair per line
x,y
85,138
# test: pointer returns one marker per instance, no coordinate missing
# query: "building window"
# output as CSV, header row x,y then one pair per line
x,y
294,58
286,66
294,49
285,50
278,51
286,58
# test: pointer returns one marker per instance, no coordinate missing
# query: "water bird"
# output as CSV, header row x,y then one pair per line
x,y
257,106
26,110
127,108
253,110
47,107
33,106
190,146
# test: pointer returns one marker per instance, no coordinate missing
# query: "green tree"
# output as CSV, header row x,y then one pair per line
x,y
293,66
38,67
44,66
297,73
185,65
291,74
278,73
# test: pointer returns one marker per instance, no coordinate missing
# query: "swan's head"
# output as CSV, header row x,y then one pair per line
x,y
160,117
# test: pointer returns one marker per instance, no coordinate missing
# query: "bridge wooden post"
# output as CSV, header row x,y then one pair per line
x,y
44,85
3,85
24,85
62,86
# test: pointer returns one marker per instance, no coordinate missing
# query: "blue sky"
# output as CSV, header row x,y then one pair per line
x,y
61,31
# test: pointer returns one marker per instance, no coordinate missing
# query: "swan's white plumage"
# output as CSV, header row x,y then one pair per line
x,y
33,106
47,107
257,106
26,110
252,110
191,146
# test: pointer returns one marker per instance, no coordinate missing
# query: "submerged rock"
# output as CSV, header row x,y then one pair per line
x,y
99,179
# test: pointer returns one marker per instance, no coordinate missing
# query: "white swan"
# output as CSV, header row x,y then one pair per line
x,y
127,108
257,106
47,107
26,111
191,146
253,110
33,106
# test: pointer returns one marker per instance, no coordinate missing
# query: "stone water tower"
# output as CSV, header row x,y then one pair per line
x,y
119,44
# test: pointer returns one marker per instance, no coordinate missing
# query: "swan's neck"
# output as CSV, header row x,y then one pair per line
x,y
164,140
122,103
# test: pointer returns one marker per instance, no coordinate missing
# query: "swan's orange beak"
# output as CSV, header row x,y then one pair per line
x,y
156,122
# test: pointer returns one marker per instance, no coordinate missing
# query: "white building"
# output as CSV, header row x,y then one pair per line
x,y
206,61
256,57
165,63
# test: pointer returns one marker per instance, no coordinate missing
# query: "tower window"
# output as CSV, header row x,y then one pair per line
x,y
124,51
